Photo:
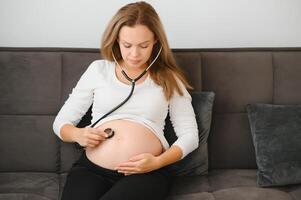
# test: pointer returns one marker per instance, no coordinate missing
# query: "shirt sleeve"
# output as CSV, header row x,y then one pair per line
x,y
78,101
183,120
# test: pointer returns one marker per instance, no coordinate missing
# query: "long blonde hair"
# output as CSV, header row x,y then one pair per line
x,y
165,70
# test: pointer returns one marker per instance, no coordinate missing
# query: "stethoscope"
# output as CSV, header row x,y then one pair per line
x,y
109,131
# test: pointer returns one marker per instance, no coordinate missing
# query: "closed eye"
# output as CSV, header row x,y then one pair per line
x,y
129,46
143,45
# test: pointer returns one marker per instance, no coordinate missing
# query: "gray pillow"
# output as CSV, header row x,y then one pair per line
x,y
276,132
195,163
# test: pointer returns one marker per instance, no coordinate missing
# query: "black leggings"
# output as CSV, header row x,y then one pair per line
x,y
89,181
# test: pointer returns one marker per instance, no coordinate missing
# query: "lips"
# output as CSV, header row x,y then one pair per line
x,y
135,61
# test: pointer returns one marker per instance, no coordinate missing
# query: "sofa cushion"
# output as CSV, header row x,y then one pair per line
x,y
31,82
229,184
276,131
27,143
237,78
287,79
193,196
29,186
230,143
251,193
22,196
196,162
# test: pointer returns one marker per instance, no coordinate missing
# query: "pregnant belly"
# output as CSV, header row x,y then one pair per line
x,y
130,139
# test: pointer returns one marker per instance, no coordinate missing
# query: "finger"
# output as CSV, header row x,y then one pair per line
x,y
137,157
95,137
127,172
95,131
91,145
128,164
129,169
93,142
100,133
103,134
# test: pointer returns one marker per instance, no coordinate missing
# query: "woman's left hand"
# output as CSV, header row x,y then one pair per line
x,y
141,163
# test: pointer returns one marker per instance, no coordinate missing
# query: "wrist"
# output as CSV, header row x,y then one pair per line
x,y
171,155
159,161
75,135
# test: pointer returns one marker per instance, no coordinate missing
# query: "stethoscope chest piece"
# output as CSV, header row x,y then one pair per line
x,y
110,132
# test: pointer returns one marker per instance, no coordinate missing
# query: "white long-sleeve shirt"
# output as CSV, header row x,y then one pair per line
x,y
148,106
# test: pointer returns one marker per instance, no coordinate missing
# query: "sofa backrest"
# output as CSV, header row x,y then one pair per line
x,y
35,82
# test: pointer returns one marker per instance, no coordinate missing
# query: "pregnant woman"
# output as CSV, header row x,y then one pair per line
x,y
125,153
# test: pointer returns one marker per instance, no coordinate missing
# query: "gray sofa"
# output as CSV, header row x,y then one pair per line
x,y
35,82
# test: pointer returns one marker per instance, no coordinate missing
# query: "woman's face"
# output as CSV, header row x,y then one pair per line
x,y
136,45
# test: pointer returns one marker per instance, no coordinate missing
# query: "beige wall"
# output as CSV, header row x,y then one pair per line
x,y
188,23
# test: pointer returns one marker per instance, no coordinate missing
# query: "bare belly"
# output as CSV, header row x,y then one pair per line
x,y
130,139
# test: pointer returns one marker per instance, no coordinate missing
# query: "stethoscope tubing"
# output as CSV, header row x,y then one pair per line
x,y
133,81
118,106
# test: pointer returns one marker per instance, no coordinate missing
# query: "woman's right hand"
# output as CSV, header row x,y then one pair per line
x,y
90,137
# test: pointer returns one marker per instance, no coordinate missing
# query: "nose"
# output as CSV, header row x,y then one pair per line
x,y
135,52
